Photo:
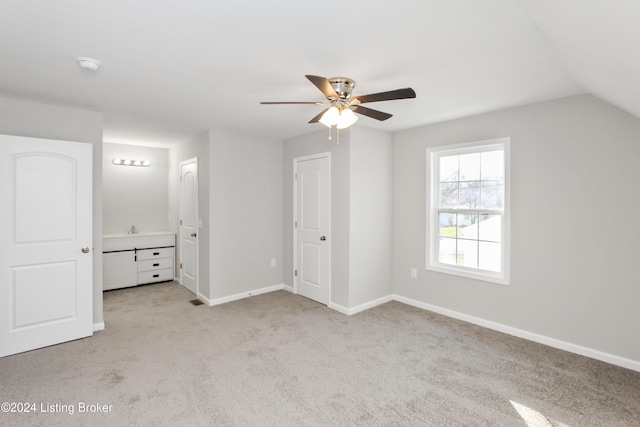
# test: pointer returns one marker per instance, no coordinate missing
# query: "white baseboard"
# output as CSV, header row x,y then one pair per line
x,y
361,307
98,326
552,342
204,299
288,288
531,336
242,295
339,308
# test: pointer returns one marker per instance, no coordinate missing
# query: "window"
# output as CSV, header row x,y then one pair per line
x,y
468,210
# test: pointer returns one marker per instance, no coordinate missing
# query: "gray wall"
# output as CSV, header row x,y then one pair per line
x,y
575,237
370,212
240,205
360,212
37,120
314,143
245,208
135,195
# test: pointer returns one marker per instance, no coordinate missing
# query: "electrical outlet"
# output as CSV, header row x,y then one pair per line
x,y
273,262
414,273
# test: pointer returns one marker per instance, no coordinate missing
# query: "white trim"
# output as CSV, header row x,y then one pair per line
x,y
339,308
362,307
204,299
287,288
431,261
242,295
531,336
98,326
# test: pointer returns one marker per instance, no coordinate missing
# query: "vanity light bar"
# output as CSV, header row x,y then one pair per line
x,y
123,162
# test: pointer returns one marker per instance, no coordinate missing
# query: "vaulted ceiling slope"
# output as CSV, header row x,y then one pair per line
x,y
598,43
171,69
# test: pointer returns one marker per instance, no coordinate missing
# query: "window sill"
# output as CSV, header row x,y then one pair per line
x,y
498,278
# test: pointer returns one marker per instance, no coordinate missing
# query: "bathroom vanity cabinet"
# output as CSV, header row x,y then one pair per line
x,y
137,259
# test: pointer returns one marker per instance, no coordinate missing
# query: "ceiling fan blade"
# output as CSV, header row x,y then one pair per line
x,y
292,102
387,96
317,118
375,114
323,84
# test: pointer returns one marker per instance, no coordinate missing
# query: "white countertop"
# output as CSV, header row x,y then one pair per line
x,y
140,234
141,240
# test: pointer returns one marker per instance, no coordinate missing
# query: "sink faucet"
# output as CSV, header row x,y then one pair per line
x,y
133,230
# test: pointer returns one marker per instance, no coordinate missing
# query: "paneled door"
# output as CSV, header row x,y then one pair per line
x,y
46,284
312,227
189,225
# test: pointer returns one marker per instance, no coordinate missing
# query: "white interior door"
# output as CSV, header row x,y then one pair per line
x,y
312,177
46,283
189,225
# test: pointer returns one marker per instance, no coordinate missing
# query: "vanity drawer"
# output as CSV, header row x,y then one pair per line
x,y
155,276
155,264
144,254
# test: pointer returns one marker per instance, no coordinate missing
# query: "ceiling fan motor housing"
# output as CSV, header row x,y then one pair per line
x,y
343,86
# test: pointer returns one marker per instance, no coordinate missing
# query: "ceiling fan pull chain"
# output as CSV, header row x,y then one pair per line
x,y
338,134
329,133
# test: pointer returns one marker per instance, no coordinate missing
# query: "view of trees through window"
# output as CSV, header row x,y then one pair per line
x,y
470,207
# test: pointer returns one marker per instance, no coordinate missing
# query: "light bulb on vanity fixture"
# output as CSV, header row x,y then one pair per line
x,y
89,64
125,162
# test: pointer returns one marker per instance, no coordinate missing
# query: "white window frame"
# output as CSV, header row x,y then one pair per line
x,y
432,262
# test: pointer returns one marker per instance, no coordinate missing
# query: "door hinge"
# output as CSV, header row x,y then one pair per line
x,y
180,222
296,175
180,266
295,224
295,272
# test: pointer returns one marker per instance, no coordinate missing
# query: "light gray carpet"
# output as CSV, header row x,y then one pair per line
x,y
279,359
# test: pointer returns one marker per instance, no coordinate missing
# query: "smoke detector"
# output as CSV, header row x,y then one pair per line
x,y
88,64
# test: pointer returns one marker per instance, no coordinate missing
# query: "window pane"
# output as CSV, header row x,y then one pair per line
x,y
469,195
448,169
490,228
491,195
468,253
470,167
449,195
490,256
448,224
447,251
492,165
467,226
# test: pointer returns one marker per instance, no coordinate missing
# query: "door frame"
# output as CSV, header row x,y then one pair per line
x,y
197,255
294,177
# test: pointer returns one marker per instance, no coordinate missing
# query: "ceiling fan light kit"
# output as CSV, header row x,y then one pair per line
x,y
340,113
342,118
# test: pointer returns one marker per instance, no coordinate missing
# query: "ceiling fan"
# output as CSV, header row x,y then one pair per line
x,y
342,105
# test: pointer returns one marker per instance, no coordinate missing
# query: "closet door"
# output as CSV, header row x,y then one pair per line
x,y
46,283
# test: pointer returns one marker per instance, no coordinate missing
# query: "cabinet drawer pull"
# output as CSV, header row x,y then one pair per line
x,y
156,265
156,253
156,275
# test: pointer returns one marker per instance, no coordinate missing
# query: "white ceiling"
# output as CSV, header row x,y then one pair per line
x,y
174,68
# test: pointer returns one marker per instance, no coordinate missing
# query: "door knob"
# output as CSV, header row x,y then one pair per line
x,y
323,238
85,250
193,234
